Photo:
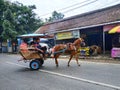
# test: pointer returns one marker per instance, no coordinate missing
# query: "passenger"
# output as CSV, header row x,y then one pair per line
x,y
31,45
38,47
24,46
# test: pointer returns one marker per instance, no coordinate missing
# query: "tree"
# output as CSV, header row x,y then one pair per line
x,y
8,32
16,19
55,16
2,6
8,25
26,19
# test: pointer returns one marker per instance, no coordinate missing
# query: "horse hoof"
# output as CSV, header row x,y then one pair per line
x,y
57,65
79,65
68,65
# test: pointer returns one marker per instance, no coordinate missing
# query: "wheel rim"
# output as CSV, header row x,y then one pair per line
x,y
35,65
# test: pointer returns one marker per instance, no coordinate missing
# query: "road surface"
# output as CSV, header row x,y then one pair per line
x,y
16,75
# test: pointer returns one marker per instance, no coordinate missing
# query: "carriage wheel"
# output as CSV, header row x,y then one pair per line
x,y
35,65
41,61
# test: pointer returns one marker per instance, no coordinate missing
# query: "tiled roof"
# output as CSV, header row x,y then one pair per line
x,y
100,16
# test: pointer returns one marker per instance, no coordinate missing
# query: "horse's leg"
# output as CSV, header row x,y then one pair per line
x,y
71,56
56,61
77,56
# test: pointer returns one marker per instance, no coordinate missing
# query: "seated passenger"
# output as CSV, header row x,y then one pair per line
x,y
23,49
31,46
38,47
23,46
27,52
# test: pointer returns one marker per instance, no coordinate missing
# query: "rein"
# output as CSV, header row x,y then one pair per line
x,y
63,50
60,51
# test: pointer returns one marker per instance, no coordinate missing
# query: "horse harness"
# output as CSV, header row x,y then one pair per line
x,y
69,47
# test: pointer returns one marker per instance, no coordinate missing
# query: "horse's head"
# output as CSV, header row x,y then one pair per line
x,y
82,43
79,41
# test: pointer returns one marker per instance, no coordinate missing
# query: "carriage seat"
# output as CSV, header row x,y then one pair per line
x,y
29,53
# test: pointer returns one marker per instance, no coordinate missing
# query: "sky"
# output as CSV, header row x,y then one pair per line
x,y
67,7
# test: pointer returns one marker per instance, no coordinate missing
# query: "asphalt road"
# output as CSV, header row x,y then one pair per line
x,y
16,75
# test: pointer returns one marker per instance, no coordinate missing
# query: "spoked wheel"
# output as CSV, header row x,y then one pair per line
x,y
35,65
41,61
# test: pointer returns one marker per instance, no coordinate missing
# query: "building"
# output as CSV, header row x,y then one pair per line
x,y
95,25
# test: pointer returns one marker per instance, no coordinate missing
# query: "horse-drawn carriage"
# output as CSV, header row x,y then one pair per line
x,y
31,55
36,60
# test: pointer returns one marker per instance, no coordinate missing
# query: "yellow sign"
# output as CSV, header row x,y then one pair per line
x,y
64,35
84,51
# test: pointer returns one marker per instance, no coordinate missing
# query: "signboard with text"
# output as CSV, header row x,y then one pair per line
x,y
67,35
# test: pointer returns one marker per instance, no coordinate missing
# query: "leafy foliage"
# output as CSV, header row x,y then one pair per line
x,y
15,19
55,16
8,32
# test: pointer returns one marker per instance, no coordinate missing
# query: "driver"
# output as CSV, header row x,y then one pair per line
x,y
38,47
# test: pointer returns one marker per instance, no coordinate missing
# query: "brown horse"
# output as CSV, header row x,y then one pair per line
x,y
69,48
